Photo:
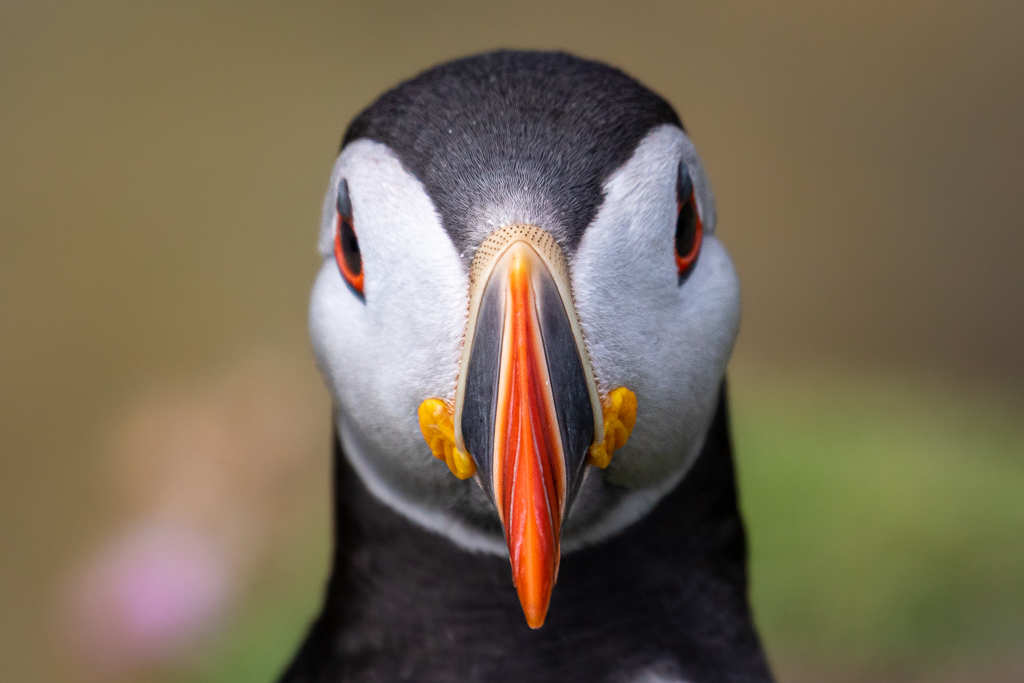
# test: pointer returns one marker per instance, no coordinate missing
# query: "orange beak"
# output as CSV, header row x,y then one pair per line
x,y
529,468
527,406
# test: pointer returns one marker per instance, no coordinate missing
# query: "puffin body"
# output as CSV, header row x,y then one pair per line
x,y
524,318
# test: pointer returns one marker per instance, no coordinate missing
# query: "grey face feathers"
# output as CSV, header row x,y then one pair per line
x,y
514,137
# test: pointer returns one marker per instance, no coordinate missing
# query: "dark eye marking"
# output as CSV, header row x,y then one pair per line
x,y
346,244
689,228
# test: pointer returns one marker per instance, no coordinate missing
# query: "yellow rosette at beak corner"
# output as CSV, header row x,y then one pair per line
x,y
619,420
439,432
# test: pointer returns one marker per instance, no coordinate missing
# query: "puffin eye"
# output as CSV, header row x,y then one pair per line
x,y
689,229
346,244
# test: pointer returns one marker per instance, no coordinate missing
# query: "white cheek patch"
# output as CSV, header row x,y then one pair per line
x,y
669,343
382,358
408,332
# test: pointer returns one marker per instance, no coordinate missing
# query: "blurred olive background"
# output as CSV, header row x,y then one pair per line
x,y
162,168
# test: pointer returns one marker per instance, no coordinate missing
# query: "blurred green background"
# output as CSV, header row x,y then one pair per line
x,y
161,173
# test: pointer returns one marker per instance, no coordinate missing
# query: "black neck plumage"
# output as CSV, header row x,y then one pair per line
x,y
664,600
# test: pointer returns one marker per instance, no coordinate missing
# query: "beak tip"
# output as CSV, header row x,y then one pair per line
x,y
535,609
535,621
535,597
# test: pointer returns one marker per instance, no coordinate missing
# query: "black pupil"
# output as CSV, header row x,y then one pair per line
x,y
350,248
686,228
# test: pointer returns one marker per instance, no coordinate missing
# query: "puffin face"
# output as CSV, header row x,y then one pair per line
x,y
513,284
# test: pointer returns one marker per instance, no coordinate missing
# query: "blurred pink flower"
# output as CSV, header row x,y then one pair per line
x,y
213,475
151,594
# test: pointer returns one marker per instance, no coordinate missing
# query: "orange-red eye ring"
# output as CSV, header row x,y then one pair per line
x,y
685,261
354,279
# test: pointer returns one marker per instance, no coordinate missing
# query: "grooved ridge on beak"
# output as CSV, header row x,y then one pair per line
x,y
529,479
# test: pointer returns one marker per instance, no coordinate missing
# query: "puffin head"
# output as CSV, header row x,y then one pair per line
x,y
523,312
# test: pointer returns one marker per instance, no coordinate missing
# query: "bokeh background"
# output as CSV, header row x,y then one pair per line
x,y
163,431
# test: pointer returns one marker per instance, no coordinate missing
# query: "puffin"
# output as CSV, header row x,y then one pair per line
x,y
524,316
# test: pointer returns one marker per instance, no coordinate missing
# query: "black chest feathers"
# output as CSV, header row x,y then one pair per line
x,y
665,600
